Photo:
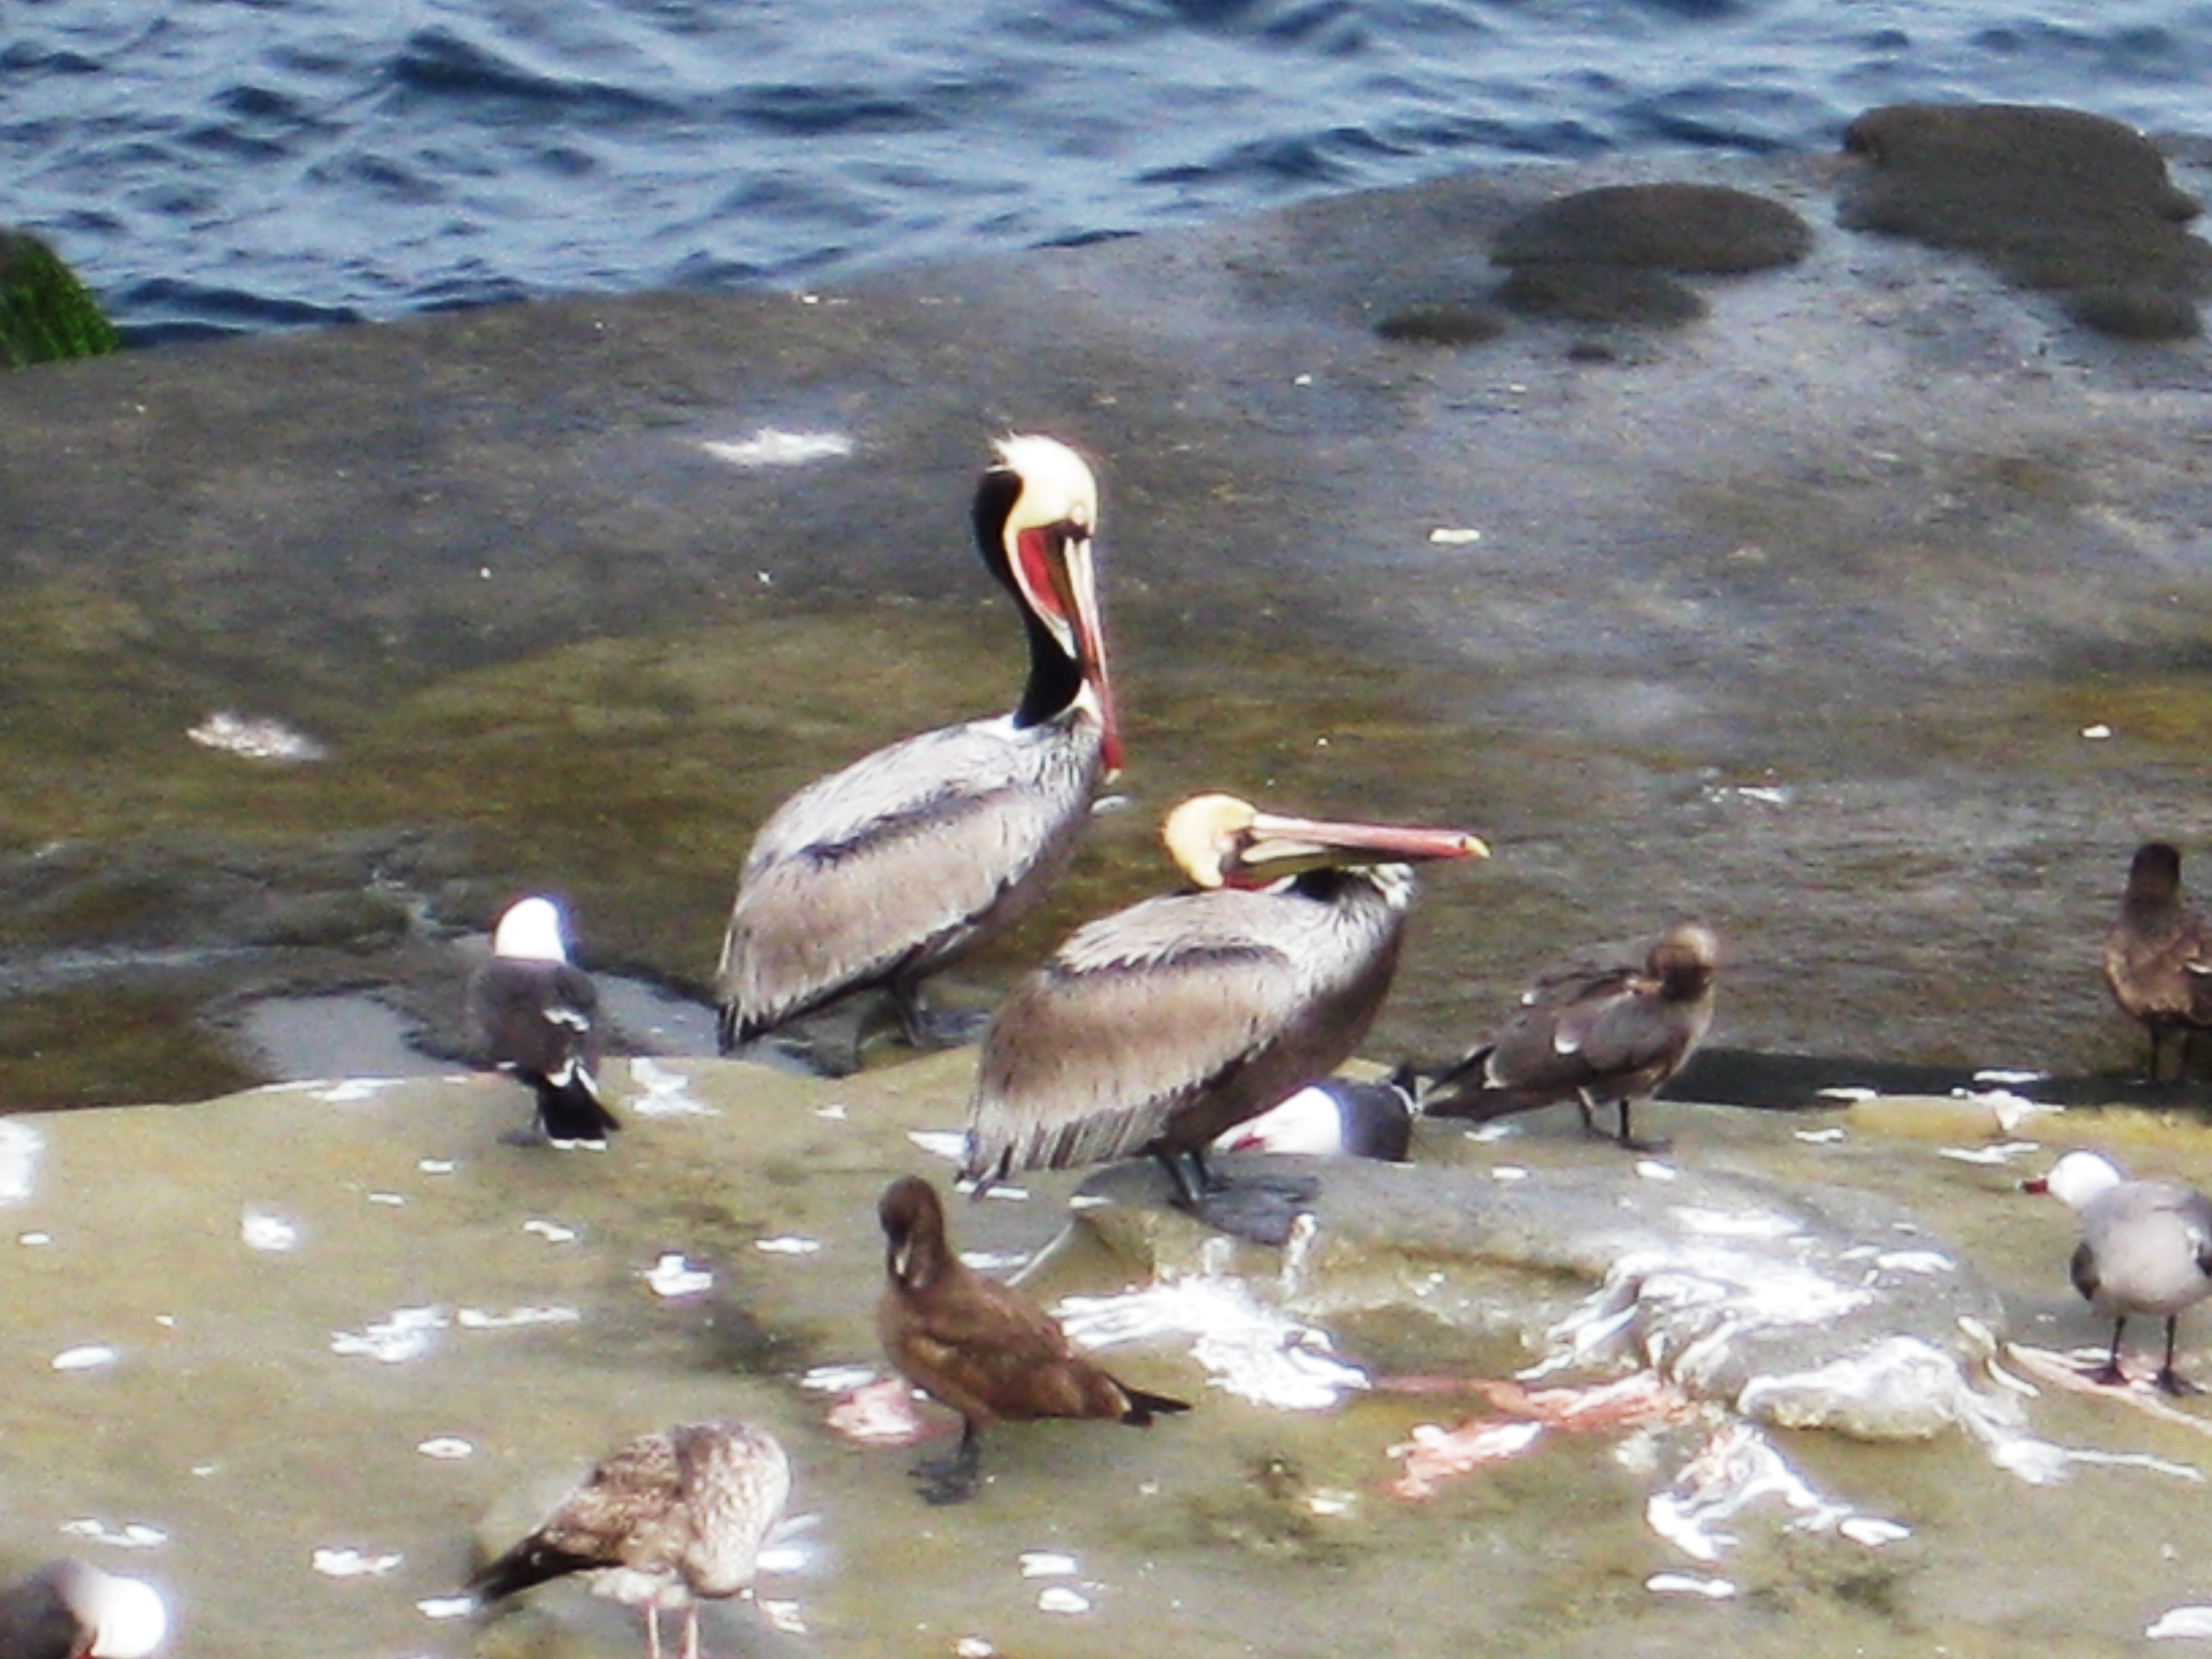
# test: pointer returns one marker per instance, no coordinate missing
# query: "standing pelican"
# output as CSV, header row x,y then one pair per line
x,y
669,1519
1157,1029
1589,1034
881,874
2158,957
539,1016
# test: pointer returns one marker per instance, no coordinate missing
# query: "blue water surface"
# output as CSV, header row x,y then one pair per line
x,y
218,166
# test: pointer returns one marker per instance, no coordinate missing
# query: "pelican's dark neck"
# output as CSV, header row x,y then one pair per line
x,y
1055,678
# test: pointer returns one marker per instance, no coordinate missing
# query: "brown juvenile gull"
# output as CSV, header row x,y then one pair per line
x,y
672,1518
978,1347
2158,957
1591,1034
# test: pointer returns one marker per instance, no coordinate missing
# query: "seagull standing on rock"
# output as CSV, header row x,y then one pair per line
x,y
2146,1248
539,1016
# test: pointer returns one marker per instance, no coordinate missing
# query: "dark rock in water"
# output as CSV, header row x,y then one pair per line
x,y
1701,229
2052,198
2137,312
1448,322
1600,293
45,315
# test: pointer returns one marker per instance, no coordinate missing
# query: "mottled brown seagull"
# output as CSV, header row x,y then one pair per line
x,y
672,1519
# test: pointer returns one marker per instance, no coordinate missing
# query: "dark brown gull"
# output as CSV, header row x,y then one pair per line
x,y
978,1347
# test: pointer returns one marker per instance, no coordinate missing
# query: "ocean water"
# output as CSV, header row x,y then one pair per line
x,y
221,166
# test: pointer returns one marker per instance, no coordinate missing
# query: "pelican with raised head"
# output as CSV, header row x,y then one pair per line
x,y
1157,1029
877,875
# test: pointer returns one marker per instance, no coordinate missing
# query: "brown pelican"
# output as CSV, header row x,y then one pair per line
x,y
69,1610
1590,1034
973,1343
670,1518
2146,1248
2158,958
881,874
1156,1030
540,1020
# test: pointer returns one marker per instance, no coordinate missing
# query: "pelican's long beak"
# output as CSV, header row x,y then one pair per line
x,y
1276,842
1091,651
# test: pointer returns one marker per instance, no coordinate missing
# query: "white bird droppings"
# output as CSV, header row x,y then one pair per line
x,y
356,1564
406,1335
1690,1583
667,1092
133,1535
479,1319
20,1147
254,737
2184,1623
769,446
671,1276
264,1229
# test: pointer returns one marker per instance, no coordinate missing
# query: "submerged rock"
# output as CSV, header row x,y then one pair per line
x,y
1697,229
2052,198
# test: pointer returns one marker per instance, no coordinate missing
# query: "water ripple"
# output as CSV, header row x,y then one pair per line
x,y
249,165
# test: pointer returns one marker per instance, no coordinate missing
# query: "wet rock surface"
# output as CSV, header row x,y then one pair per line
x,y
1861,619
299,1356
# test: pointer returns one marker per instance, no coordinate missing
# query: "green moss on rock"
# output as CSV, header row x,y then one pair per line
x,y
45,313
